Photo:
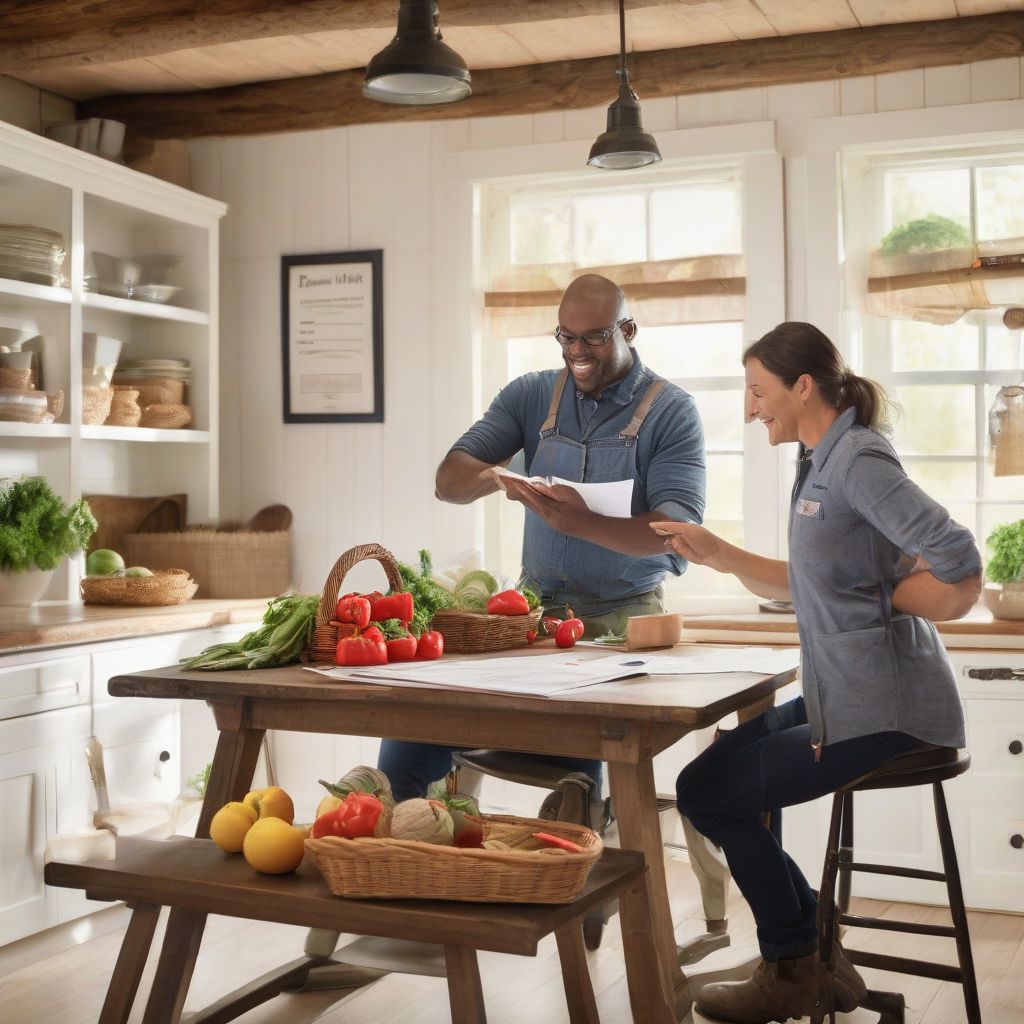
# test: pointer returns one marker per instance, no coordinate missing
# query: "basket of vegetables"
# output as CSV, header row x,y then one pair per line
x,y
162,587
368,847
485,619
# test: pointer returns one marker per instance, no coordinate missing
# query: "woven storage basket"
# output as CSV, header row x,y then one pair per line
x,y
242,563
18,380
469,632
327,632
165,586
166,417
399,869
95,404
155,390
124,408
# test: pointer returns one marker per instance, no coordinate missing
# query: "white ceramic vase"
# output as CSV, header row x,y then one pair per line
x,y
24,588
1004,600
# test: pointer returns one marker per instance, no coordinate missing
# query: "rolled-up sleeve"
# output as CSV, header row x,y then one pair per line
x,y
879,490
676,476
498,434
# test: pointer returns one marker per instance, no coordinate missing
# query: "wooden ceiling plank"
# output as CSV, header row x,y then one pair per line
x,y
330,100
75,33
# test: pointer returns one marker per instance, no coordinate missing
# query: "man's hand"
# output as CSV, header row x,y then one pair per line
x,y
561,507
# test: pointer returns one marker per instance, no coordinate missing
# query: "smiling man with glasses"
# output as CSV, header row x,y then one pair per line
x,y
602,417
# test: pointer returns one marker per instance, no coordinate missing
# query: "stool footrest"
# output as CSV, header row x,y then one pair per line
x,y
886,869
942,930
904,965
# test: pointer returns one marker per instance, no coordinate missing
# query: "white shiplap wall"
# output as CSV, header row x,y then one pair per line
x,y
386,186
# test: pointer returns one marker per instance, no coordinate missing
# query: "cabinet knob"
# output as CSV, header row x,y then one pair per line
x,y
1017,840
1015,746
164,756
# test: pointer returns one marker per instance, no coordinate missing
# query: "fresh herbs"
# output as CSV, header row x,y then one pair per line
x,y
428,597
287,628
1006,543
925,235
37,529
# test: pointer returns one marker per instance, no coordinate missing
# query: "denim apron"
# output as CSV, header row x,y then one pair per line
x,y
566,565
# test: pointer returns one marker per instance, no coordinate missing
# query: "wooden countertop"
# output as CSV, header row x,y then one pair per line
x,y
60,623
976,630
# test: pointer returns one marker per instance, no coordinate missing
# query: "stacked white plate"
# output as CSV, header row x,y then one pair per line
x,y
31,254
142,369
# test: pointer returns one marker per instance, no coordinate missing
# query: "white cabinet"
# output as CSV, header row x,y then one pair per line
x,y
102,207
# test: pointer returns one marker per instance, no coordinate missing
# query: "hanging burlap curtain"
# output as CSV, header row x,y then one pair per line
x,y
523,301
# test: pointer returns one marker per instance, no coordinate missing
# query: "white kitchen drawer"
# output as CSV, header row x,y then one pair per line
x,y
993,867
995,737
30,688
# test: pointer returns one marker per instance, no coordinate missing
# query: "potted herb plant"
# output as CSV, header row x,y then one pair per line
x,y
37,530
1004,591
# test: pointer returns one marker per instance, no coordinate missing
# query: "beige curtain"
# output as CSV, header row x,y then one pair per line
x,y
523,302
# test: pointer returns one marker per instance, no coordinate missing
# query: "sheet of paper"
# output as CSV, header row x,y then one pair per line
x,y
760,660
529,677
614,498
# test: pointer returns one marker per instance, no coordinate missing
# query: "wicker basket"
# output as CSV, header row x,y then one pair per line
x,y
398,869
155,390
165,586
124,408
241,563
471,633
166,417
16,379
327,632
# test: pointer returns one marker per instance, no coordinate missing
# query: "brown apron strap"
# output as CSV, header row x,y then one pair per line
x,y
633,428
556,398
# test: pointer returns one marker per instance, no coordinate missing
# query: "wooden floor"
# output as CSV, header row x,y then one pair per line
x,y
68,987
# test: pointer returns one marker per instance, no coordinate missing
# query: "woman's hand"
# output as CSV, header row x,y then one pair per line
x,y
695,543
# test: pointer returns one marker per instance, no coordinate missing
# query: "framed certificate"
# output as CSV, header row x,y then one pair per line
x,y
332,336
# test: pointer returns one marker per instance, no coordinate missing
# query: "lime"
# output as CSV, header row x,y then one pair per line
x,y
103,562
138,570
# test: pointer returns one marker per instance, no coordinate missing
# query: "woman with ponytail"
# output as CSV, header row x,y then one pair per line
x,y
873,561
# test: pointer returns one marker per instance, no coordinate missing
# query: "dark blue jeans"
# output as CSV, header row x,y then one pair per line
x,y
411,767
762,766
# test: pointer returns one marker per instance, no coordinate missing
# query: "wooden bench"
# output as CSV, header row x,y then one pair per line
x,y
194,878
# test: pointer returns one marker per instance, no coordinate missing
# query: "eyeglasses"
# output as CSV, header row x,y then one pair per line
x,y
594,339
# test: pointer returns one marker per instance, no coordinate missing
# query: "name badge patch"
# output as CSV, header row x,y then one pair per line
x,y
809,508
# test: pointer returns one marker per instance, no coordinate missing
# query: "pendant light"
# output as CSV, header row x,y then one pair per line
x,y
417,68
625,144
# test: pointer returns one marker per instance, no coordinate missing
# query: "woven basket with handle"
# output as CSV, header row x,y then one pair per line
x,y
528,872
327,631
474,633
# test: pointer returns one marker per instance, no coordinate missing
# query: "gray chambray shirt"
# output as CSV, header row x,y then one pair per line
x,y
855,519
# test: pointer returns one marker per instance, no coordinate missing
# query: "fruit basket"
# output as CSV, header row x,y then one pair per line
x,y
164,587
473,632
528,872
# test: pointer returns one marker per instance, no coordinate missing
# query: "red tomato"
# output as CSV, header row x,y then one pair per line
x,y
430,646
568,632
358,650
402,648
550,624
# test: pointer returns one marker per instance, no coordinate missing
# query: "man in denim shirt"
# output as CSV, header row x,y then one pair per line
x,y
603,417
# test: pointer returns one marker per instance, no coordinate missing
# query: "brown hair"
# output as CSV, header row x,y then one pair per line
x,y
793,348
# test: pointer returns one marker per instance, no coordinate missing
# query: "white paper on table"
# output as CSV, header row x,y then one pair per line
x,y
546,676
763,661
614,498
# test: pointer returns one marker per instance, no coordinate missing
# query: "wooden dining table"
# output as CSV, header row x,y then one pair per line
x,y
624,723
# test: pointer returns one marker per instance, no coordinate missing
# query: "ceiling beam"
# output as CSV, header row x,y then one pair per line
x,y
330,100
50,34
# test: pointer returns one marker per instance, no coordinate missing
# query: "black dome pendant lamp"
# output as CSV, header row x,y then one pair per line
x,y
417,68
625,144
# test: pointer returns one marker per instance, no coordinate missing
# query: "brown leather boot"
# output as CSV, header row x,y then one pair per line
x,y
781,991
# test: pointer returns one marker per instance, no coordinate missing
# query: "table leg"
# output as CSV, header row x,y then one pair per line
x,y
579,991
464,991
174,969
664,993
131,961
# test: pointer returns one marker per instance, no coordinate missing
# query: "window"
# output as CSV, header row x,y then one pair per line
x,y
546,233
945,375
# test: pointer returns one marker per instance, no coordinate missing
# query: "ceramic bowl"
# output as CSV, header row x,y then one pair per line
x,y
1004,600
116,269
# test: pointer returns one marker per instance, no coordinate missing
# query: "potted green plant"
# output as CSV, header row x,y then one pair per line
x,y
37,531
1004,591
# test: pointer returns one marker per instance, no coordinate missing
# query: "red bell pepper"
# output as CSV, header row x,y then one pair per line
x,y
568,632
392,606
402,648
508,602
373,633
430,645
353,608
354,817
357,650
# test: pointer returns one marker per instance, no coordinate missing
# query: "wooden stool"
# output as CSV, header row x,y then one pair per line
x,y
929,767
195,878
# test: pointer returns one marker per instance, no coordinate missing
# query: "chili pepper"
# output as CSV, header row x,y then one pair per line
x,y
373,633
358,650
531,635
508,602
354,817
393,606
568,632
558,842
353,608
430,645
402,648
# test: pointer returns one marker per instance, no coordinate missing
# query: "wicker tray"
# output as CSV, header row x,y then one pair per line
x,y
164,587
402,869
327,632
469,632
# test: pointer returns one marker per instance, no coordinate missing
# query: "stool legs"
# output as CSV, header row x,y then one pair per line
x,y
951,869
131,961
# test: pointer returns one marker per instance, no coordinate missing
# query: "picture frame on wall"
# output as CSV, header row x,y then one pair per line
x,y
332,337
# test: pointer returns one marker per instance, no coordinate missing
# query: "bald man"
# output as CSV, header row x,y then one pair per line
x,y
602,417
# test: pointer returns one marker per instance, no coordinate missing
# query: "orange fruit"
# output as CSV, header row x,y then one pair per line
x,y
273,846
230,824
271,802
